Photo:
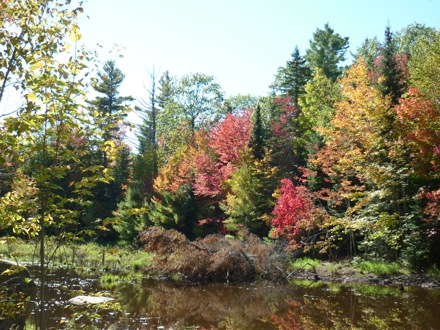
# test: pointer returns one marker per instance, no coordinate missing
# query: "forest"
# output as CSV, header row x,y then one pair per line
x,y
340,159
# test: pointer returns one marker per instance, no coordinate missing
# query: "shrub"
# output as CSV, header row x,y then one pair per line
x,y
213,258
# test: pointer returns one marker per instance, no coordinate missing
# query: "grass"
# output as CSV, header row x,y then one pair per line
x,y
379,268
434,272
307,283
334,268
89,255
305,263
109,281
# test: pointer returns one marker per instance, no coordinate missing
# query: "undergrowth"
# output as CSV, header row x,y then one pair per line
x,y
213,258
87,255
305,263
379,268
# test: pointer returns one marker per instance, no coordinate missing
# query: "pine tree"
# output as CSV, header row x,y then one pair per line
x,y
393,83
111,107
166,90
110,110
258,134
147,135
291,79
327,50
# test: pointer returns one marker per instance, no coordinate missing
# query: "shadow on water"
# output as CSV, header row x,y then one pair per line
x,y
299,305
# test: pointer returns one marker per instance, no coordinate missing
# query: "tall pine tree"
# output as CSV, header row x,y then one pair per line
x,y
258,134
109,105
291,79
327,50
110,109
393,83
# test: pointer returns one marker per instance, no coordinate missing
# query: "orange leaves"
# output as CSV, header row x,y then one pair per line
x,y
209,160
419,127
230,137
357,135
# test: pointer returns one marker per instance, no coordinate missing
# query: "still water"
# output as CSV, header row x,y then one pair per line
x,y
149,304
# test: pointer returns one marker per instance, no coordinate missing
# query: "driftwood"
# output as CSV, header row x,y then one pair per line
x,y
89,300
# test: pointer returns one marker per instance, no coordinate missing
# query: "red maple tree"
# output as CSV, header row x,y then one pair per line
x,y
292,212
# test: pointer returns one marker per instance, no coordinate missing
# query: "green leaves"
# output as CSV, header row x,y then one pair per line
x,y
327,50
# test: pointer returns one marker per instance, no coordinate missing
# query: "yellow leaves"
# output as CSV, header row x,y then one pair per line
x,y
8,272
15,206
32,97
36,66
74,34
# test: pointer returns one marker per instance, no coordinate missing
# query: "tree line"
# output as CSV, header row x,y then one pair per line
x,y
337,160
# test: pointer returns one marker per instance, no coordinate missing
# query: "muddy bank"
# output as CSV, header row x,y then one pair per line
x,y
351,276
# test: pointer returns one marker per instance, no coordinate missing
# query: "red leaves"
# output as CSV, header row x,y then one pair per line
x,y
292,210
226,141
432,209
208,179
230,137
419,125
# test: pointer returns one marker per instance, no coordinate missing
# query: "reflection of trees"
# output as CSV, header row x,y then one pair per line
x,y
255,306
212,306
241,306
381,308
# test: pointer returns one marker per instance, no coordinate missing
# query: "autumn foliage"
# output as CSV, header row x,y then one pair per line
x,y
292,212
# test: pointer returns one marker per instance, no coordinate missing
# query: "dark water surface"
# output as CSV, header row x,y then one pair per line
x,y
301,305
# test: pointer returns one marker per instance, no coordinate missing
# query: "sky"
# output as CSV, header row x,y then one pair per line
x,y
239,42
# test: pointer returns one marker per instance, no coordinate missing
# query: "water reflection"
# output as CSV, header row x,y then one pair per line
x,y
301,305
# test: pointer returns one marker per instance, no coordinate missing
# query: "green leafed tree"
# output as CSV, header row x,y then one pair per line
x,y
249,202
187,104
423,67
199,100
327,50
317,110
369,51
49,132
291,79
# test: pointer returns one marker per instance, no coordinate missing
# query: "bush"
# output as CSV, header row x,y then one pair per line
x,y
213,258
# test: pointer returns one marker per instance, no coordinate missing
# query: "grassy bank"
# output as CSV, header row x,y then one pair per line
x,y
74,255
124,261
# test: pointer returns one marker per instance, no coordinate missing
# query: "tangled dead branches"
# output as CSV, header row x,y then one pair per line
x,y
213,258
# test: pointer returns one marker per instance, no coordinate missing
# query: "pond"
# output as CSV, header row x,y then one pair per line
x,y
149,304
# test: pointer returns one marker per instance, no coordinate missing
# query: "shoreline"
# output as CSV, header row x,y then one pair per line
x,y
349,275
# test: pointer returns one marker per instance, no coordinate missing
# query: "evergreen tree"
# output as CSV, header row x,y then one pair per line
x,y
327,50
110,106
166,90
249,201
258,134
291,79
110,110
369,51
147,137
393,83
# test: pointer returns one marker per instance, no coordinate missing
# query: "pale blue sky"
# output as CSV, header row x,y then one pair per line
x,y
240,42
